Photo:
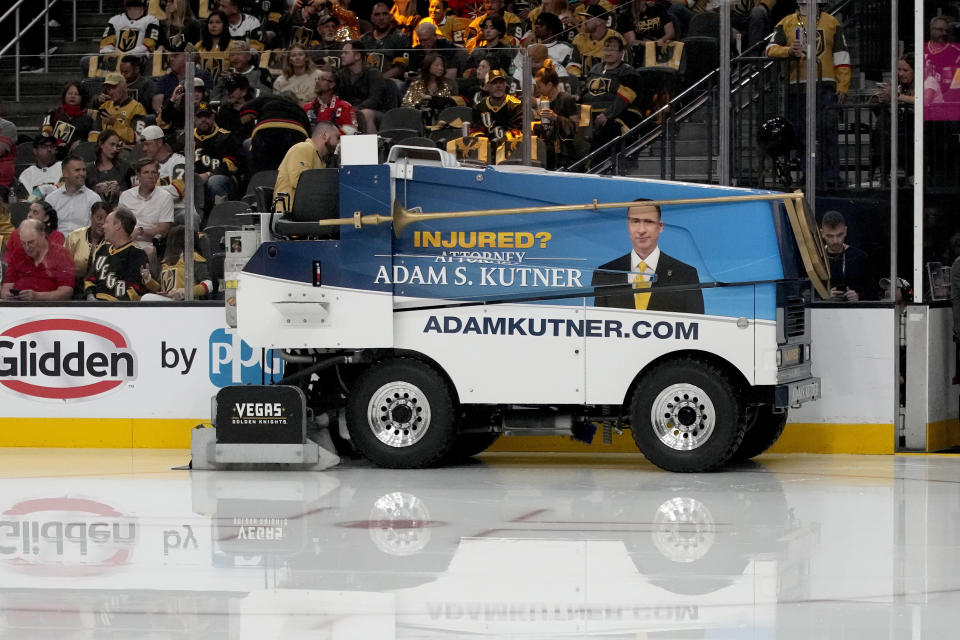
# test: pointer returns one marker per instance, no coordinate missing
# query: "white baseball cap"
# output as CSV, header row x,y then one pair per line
x,y
153,132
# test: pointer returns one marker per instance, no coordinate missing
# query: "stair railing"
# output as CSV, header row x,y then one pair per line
x,y
19,33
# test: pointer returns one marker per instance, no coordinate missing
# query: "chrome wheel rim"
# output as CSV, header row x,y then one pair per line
x,y
683,529
399,414
683,417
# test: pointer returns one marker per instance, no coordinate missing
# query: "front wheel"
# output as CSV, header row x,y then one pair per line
x,y
764,428
400,414
685,416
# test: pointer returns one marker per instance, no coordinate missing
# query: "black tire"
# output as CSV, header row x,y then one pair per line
x,y
698,424
764,428
468,445
400,414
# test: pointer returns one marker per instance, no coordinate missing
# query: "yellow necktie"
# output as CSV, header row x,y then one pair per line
x,y
640,281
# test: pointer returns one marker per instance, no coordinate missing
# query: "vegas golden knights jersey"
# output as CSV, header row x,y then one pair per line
x,y
588,52
496,121
130,36
116,273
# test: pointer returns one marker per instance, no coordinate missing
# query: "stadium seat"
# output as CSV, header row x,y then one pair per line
x,y
24,154
418,142
450,114
703,56
261,179
215,271
214,235
317,198
400,123
231,212
18,212
264,199
705,24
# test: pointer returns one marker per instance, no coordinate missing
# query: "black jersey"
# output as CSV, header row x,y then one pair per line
x,y
496,121
218,153
609,90
116,273
392,49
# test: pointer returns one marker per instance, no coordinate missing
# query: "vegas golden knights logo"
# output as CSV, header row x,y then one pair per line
x,y
599,86
375,60
64,131
127,39
301,37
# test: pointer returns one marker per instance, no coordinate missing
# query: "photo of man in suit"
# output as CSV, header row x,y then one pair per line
x,y
645,225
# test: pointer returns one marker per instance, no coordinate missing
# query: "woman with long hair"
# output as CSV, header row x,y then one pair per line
x,y
171,285
299,75
214,42
108,175
432,90
559,117
905,97
179,27
70,122
42,211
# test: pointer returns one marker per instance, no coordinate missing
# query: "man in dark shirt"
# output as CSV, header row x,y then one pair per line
x,y
364,87
851,278
388,46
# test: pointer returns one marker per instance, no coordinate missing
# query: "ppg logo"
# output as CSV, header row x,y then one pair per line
x,y
233,361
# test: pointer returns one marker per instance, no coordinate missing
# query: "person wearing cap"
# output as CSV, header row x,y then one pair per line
x,y
326,50
120,112
498,114
328,107
172,117
833,83
234,94
43,176
217,158
133,31
588,44
301,25
171,167
73,198
309,154
851,278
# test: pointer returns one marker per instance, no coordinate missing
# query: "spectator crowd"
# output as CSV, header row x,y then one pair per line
x,y
109,175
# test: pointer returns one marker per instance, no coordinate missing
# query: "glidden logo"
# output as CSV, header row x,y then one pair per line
x,y
65,358
66,537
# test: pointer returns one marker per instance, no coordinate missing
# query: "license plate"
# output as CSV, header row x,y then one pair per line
x,y
804,391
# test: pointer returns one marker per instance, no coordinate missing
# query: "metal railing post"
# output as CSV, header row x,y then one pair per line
x,y
527,94
75,20
16,54
46,38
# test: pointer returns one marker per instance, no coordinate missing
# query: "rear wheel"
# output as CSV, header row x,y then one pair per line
x,y
764,428
400,414
685,416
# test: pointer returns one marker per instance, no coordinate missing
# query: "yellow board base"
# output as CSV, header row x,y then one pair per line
x,y
99,433
175,434
943,435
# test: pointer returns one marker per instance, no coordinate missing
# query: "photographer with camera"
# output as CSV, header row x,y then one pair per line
x,y
851,279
